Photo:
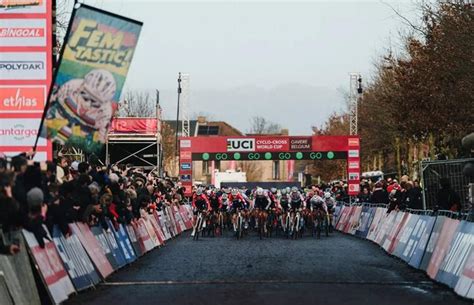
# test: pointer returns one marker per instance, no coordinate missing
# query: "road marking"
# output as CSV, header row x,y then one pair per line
x,y
226,282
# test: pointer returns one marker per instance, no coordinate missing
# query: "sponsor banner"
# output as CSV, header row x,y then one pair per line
x,y
93,247
391,241
348,223
220,144
185,155
123,242
151,231
138,230
144,235
179,218
353,153
376,224
353,142
17,283
165,225
154,221
186,218
343,218
99,234
366,217
465,284
445,238
404,235
420,237
433,240
20,132
185,143
23,66
22,99
353,164
23,32
50,268
185,178
354,176
354,189
77,263
354,221
134,125
450,271
301,144
115,247
90,77
186,166
22,6
385,227
245,144
134,240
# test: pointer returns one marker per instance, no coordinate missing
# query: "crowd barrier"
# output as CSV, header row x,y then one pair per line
x,y
441,246
69,264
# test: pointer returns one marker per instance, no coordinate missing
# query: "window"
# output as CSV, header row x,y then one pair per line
x,y
205,130
205,167
276,170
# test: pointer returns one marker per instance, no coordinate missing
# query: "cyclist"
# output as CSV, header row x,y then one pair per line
x,y
296,199
329,202
284,200
200,202
261,203
215,201
273,194
237,202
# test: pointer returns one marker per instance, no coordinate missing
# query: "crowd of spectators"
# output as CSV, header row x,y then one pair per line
x,y
407,194
58,193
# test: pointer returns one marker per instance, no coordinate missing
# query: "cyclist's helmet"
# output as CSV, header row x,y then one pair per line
x,y
295,196
224,196
199,191
316,201
209,193
327,195
260,192
234,192
294,189
273,190
283,191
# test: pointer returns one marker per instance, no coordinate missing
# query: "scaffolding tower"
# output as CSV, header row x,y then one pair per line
x,y
185,105
354,93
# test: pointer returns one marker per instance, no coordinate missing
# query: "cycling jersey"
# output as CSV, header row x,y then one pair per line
x,y
285,202
296,200
237,202
261,202
200,202
216,202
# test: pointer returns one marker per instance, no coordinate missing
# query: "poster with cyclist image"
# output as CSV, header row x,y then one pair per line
x,y
95,59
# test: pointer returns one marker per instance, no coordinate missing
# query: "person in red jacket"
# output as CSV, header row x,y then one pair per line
x,y
200,202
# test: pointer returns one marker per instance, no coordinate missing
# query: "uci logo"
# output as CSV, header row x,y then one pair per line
x,y
240,144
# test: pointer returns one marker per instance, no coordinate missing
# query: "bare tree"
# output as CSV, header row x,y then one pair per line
x,y
137,104
260,125
251,169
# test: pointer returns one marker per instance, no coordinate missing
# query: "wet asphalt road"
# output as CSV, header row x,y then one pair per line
x,y
336,270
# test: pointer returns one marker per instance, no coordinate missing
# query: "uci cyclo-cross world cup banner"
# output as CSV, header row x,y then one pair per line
x,y
94,64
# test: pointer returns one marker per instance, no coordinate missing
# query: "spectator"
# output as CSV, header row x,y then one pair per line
x,y
447,198
379,195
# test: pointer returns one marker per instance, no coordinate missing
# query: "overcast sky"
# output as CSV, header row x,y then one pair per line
x,y
286,61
